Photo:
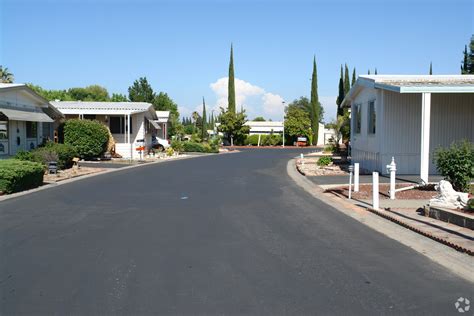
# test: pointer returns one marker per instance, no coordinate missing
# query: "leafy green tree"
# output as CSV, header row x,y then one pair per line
x,y
51,95
314,113
297,123
204,124
231,84
118,97
89,93
339,127
304,104
232,125
141,91
259,119
5,75
353,77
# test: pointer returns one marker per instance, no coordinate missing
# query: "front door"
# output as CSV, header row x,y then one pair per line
x,y
17,136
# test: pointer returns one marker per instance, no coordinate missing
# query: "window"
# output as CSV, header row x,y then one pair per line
x,y
3,130
118,125
89,117
357,118
31,129
371,117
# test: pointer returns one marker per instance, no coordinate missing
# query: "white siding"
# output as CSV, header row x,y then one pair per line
x,y
138,132
365,147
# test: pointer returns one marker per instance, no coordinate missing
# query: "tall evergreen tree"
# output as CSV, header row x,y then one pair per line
x,y
231,84
141,91
347,84
368,72
353,77
431,68
375,71
314,104
464,64
204,117
340,96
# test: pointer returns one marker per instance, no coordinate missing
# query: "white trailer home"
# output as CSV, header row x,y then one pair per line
x,y
128,122
26,119
408,117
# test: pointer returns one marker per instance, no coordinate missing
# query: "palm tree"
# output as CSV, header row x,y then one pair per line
x,y
5,75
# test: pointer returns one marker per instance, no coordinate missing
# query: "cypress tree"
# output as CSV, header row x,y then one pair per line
x,y
314,104
340,96
231,85
375,70
347,84
464,64
353,77
368,72
431,68
204,129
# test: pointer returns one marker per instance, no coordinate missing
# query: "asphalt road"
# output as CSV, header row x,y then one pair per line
x,y
227,234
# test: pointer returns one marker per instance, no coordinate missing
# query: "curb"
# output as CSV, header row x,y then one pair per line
x,y
421,232
458,263
86,176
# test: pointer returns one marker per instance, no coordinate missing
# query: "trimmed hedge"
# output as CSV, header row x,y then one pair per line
x,y
265,140
17,175
90,138
61,153
200,148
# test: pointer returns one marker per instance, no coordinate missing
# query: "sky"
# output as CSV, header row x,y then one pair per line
x,y
183,46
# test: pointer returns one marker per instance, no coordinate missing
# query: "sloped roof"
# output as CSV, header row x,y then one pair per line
x,y
102,108
413,84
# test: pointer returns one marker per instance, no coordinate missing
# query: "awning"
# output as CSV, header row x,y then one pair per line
x,y
155,124
16,115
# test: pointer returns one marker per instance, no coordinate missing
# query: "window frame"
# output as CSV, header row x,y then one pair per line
x,y
371,118
122,128
357,125
31,130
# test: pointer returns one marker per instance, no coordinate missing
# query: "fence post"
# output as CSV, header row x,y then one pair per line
x,y
351,170
375,190
356,177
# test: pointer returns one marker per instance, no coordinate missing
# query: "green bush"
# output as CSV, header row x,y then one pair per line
x,y
470,205
265,140
177,145
89,138
200,148
324,161
456,164
61,153
17,175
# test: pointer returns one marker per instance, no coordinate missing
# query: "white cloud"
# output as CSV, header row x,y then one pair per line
x,y
273,104
254,99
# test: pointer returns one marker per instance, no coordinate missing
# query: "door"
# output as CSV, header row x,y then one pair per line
x,y
17,136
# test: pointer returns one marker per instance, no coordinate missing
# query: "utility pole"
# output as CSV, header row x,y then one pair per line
x,y
283,135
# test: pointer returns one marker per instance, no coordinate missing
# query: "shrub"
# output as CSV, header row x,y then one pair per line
x,y
177,145
61,153
456,164
324,161
17,175
89,138
200,148
169,151
470,205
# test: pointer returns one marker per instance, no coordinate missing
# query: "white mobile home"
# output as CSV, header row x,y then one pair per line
x,y
26,119
408,117
128,122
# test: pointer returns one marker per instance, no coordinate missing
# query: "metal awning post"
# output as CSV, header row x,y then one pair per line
x,y
425,136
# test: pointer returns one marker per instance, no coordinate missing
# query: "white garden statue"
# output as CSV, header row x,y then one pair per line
x,y
448,197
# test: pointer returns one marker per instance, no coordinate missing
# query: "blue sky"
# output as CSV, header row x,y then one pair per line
x,y
182,47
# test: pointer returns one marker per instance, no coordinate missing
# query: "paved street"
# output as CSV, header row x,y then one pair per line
x,y
227,234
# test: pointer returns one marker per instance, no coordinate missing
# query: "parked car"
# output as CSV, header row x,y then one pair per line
x,y
159,144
